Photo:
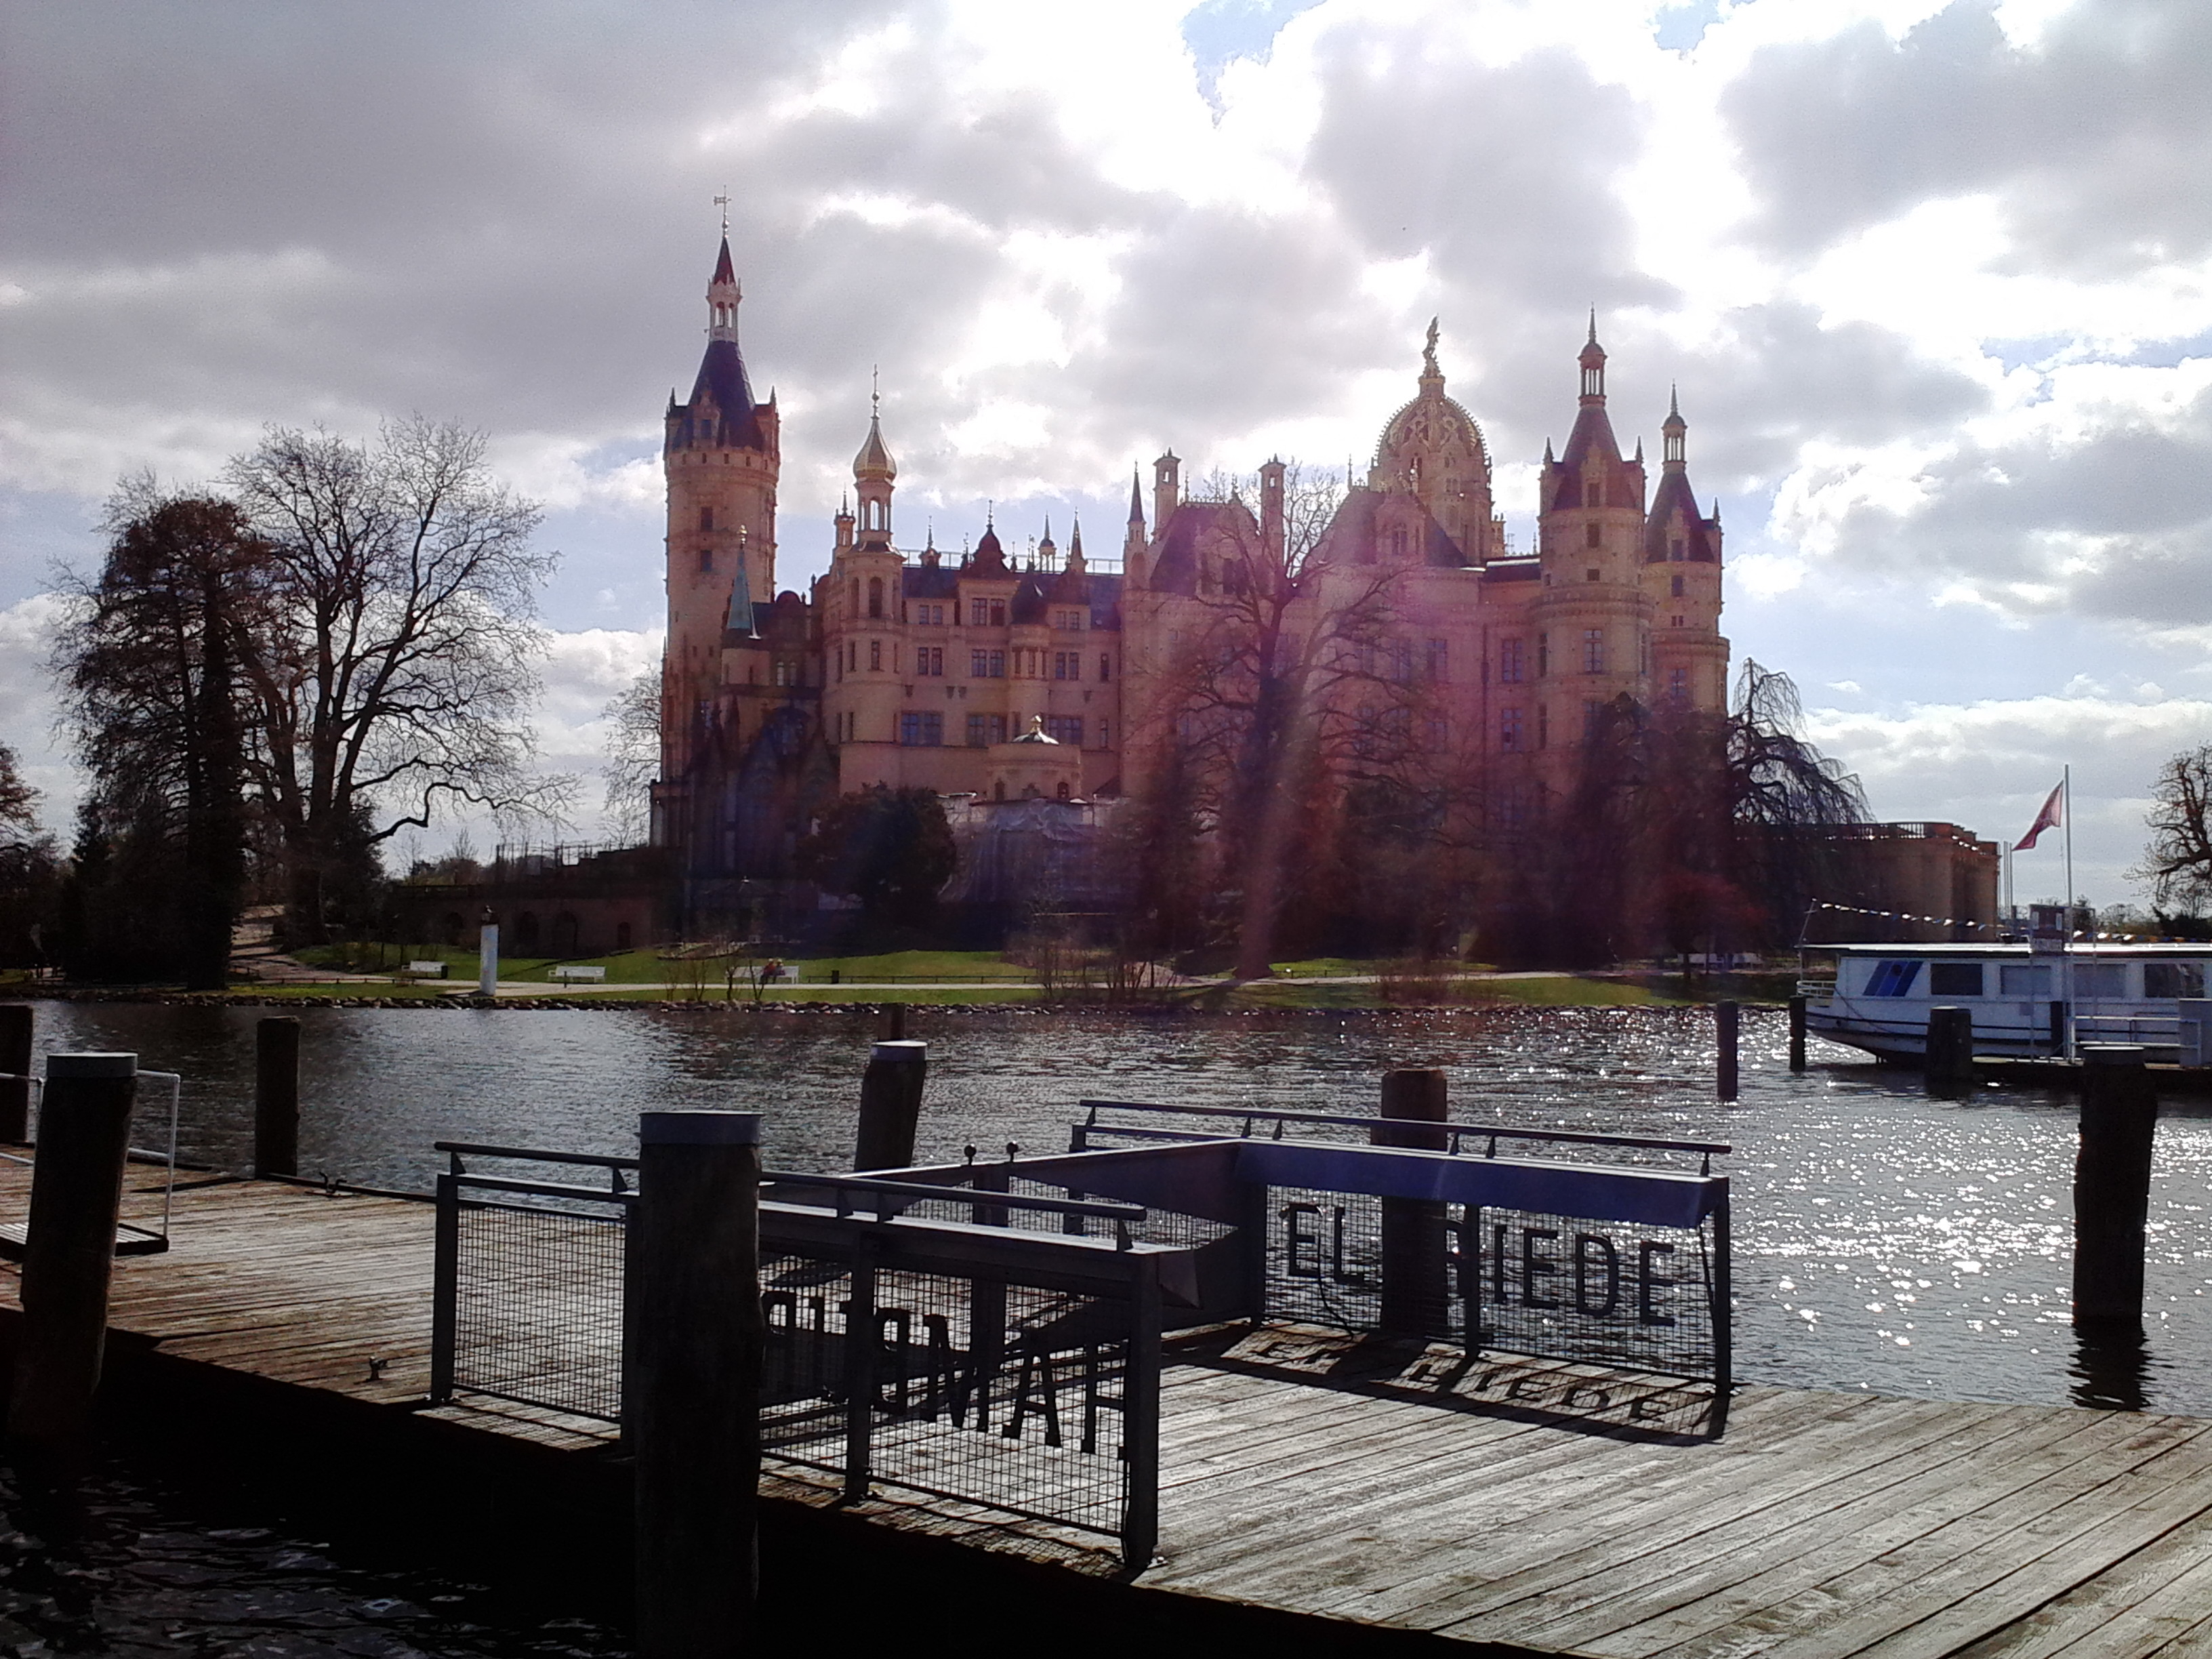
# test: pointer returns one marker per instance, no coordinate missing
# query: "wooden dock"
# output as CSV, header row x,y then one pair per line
x,y
1348,1492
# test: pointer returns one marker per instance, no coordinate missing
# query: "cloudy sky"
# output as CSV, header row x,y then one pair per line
x,y
1932,278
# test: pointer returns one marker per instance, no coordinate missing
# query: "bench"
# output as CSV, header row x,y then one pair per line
x,y
424,970
578,975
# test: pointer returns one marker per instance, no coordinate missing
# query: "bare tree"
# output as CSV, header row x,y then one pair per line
x,y
401,674
633,752
2177,864
1282,690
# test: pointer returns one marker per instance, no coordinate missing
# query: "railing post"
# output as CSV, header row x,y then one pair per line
x,y
1140,1415
859,1378
696,1415
891,1104
15,1063
1726,1027
69,1254
277,1095
1798,1027
1723,1315
1416,1289
445,1288
2111,1189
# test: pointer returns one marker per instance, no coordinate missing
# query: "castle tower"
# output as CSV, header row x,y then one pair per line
x,y
721,457
1432,468
864,617
1681,580
1593,617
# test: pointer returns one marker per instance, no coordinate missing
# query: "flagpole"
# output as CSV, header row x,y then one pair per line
x,y
2066,803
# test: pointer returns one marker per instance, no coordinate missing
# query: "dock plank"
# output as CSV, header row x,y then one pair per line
x,y
1309,1476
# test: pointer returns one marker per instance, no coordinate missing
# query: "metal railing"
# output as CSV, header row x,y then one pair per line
x,y
953,1356
145,1233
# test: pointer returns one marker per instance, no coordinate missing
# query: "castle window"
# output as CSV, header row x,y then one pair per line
x,y
1401,661
1593,651
1066,728
1590,574
1543,725
1063,788
875,653
1593,712
1593,535
997,665
1439,660
1060,659
1674,553
1511,662
1678,582
705,519
997,613
1678,684
875,596
979,665
979,613
1105,667
932,661
1104,740
1543,657
1677,623
706,558
920,731
1509,728
783,674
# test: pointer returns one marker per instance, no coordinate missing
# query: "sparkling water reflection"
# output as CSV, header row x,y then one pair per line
x,y
1884,1240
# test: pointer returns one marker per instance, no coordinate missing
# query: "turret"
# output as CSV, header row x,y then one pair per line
x,y
1167,489
873,474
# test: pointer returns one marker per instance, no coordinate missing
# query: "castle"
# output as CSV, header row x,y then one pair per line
x,y
1412,627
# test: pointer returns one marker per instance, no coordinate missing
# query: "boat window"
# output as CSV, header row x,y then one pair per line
x,y
1954,979
2100,979
2024,981
1892,979
2173,979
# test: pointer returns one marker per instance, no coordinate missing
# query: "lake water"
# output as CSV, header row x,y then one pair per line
x,y
1884,1241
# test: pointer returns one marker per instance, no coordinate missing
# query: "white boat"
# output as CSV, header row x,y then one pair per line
x,y
2029,1001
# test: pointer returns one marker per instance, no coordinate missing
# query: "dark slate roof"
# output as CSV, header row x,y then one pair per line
x,y
1029,600
1676,504
1593,435
1355,523
1174,552
722,379
989,558
929,581
724,271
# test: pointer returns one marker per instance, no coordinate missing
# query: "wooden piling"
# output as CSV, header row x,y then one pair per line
x,y
15,1063
2111,1189
695,1414
277,1095
893,1022
1950,1060
1416,1299
69,1254
891,1105
1797,1033
1727,1027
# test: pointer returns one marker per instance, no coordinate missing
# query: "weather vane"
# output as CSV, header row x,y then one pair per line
x,y
723,202
875,389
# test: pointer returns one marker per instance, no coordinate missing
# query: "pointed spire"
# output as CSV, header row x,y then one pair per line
x,y
1592,358
1593,333
1075,539
722,296
1137,496
1673,443
741,619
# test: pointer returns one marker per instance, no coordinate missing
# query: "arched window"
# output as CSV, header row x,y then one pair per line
x,y
875,596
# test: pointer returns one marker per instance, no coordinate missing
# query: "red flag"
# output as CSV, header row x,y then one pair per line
x,y
2046,819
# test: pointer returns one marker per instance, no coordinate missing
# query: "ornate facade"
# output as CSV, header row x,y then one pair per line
x,y
1004,679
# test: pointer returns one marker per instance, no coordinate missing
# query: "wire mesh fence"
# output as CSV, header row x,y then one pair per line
x,y
985,1391
538,1306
